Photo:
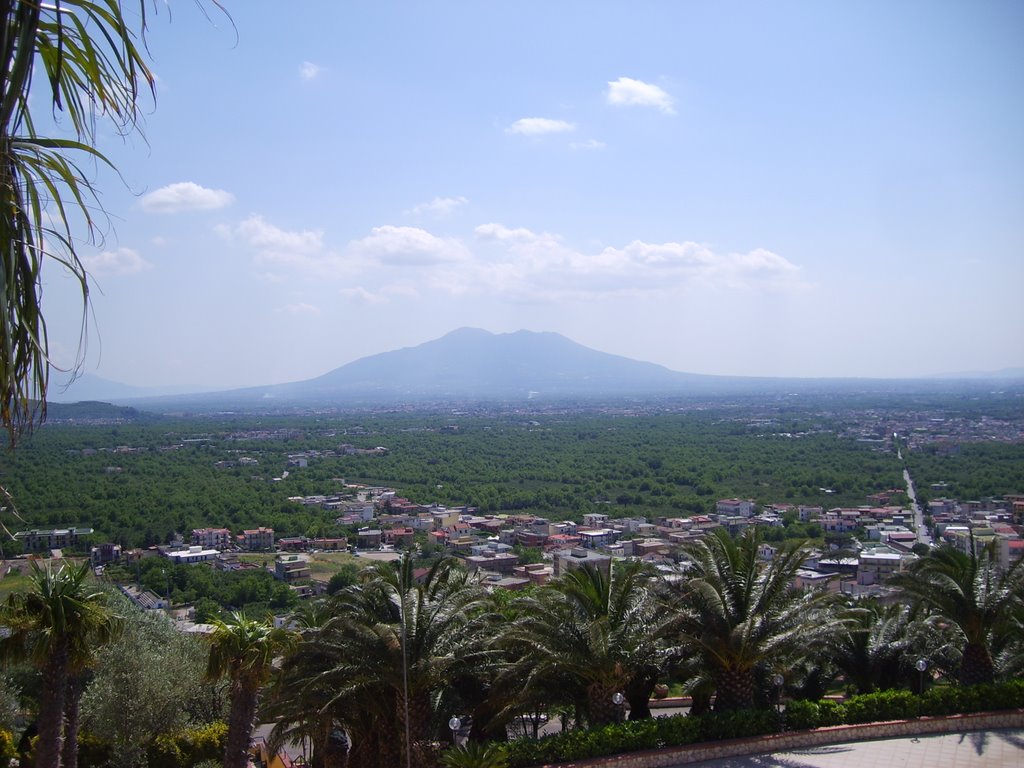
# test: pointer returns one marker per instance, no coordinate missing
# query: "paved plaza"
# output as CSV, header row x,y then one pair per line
x,y
978,749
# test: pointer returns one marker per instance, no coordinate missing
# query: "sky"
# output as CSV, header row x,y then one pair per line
x,y
797,189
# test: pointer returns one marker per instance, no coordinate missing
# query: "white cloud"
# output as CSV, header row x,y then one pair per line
x,y
439,206
626,92
122,261
259,233
538,126
185,196
300,309
541,266
589,144
407,246
309,70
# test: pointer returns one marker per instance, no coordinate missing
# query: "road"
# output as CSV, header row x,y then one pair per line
x,y
923,536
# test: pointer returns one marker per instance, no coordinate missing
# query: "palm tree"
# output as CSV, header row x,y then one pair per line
x,y
970,592
243,649
56,624
740,618
90,57
879,646
589,636
382,665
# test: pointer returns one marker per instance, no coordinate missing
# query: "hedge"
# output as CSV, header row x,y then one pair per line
x,y
902,705
680,730
635,735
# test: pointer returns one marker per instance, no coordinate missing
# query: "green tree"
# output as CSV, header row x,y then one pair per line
x,y
971,592
56,624
148,683
586,637
388,636
879,645
242,650
740,618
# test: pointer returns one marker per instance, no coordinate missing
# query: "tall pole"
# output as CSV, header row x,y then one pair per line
x,y
405,665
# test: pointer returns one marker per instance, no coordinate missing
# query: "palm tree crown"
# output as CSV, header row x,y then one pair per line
x,y
243,650
972,593
738,616
589,636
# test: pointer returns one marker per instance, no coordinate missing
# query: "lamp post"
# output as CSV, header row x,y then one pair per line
x,y
779,680
921,665
618,700
454,724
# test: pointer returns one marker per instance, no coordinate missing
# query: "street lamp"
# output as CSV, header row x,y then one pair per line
x,y
618,700
779,680
921,665
454,724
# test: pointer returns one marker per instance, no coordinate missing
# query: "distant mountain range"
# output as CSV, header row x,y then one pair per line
x,y
470,364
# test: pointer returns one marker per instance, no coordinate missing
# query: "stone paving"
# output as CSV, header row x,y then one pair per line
x,y
978,749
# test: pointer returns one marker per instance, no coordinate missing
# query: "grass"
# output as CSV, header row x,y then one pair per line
x,y
15,581
322,565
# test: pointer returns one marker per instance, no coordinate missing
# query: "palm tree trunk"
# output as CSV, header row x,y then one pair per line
x,y
51,707
601,710
735,690
976,666
240,719
638,694
72,700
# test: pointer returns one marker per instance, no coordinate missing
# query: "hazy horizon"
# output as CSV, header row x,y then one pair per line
x,y
95,385
787,190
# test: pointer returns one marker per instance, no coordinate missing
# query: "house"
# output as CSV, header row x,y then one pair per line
x,y
598,538
578,557
144,599
334,544
211,538
192,555
258,539
806,580
399,537
293,544
498,562
735,508
538,573
39,539
104,554
806,514
368,538
290,568
876,565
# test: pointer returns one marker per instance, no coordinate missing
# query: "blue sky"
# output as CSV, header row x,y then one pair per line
x,y
781,189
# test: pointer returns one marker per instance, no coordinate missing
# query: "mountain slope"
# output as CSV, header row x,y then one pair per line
x,y
472,363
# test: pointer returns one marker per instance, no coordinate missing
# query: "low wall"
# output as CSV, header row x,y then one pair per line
x,y
818,737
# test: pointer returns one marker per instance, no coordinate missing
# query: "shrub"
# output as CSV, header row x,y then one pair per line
x,y
801,715
475,755
680,730
882,706
738,724
8,749
188,747
831,712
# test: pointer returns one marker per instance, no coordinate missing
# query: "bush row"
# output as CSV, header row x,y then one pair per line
x,y
634,735
680,730
903,705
